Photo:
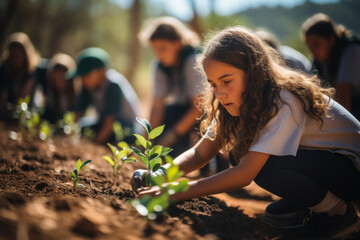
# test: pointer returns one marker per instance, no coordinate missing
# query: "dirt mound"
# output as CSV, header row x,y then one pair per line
x,y
38,201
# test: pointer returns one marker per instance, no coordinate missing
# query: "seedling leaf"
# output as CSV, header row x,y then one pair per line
x,y
124,146
109,160
145,124
137,152
156,132
87,162
113,149
78,164
141,139
165,151
129,160
154,162
156,149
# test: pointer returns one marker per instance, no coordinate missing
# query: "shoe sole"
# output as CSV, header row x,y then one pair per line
x,y
355,227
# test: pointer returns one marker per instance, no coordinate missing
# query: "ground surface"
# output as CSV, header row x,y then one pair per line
x,y
37,200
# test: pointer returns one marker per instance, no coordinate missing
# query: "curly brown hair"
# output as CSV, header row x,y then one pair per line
x,y
266,76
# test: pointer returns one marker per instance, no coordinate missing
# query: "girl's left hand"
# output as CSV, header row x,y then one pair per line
x,y
153,191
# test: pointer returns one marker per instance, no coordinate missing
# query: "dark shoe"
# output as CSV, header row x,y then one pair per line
x,y
287,214
337,226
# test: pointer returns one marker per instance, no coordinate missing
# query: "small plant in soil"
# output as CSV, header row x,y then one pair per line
x,y
28,120
120,132
120,156
76,171
157,175
70,126
45,130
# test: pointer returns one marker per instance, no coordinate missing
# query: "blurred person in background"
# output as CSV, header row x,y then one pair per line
x,y
176,85
18,72
336,58
59,91
108,91
292,58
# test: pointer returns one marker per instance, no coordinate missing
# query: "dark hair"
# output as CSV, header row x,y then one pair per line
x,y
321,25
171,29
266,76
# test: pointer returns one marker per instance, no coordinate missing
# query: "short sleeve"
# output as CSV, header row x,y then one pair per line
x,y
82,101
281,136
159,82
193,77
113,100
349,71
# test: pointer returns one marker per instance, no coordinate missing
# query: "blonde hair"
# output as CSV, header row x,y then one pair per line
x,y
266,76
32,57
171,29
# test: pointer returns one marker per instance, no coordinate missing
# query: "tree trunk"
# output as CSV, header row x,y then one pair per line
x,y
134,44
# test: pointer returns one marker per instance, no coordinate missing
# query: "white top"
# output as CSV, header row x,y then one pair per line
x,y
292,129
190,79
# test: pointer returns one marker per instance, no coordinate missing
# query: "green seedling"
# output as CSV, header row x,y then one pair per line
x,y
120,132
45,130
28,120
76,171
89,133
152,207
157,174
120,156
71,128
152,156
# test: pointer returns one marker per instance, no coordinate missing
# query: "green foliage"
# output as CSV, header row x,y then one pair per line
x,y
158,175
45,130
76,171
120,156
152,207
89,133
70,127
28,119
151,157
120,132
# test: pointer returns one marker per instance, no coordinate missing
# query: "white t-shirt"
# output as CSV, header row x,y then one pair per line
x,y
171,92
292,129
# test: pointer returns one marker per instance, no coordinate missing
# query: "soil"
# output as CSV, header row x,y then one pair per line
x,y
38,200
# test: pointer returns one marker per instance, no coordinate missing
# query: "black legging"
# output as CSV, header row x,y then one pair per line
x,y
307,177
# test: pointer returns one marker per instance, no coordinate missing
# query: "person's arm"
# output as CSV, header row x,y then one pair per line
x,y
343,95
197,156
157,112
230,179
105,130
188,120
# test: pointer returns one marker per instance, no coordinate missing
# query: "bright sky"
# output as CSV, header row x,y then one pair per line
x,y
182,8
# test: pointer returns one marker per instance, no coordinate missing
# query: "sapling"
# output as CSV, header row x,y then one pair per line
x,y
70,126
28,120
120,132
151,157
152,207
76,171
45,130
120,156
157,175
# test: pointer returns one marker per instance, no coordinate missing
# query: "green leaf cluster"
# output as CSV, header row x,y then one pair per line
x,y
120,156
28,119
76,171
158,175
120,132
45,130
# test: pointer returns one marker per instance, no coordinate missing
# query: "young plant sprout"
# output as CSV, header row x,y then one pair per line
x,y
27,119
76,171
89,133
71,128
45,130
151,157
120,132
152,207
156,175
119,156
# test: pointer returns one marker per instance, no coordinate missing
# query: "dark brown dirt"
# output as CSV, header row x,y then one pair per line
x,y
38,201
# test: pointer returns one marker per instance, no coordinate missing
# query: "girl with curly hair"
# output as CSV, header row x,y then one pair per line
x,y
281,130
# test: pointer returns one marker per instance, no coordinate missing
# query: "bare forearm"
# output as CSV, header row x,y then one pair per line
x,y
105,131
187,121
157,113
